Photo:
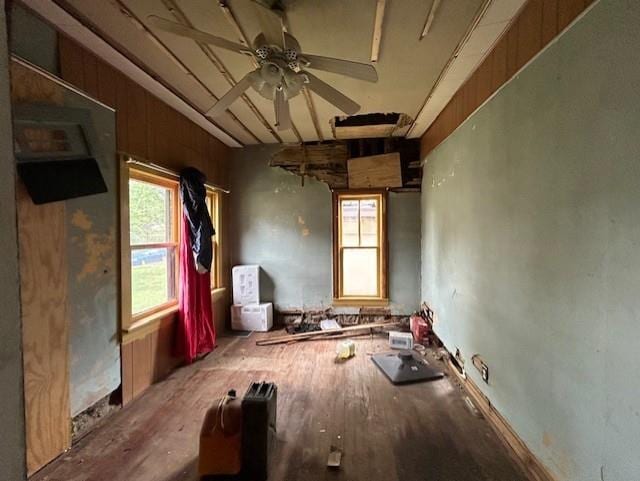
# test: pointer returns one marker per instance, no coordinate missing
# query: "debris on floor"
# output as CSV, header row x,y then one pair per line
x,y
335,456
420,349
302,326
328,324
345,350
328,334
472,407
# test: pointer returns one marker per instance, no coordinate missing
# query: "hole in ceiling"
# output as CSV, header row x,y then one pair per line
x,y
374,125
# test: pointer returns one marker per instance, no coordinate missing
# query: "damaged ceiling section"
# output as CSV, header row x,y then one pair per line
x,y
391,162
369,126
370,151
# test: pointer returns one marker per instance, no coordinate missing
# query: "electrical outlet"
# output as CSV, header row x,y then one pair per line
x,y
481,366
485,373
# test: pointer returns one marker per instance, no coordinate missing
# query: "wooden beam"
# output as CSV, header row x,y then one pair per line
x,y
163,47
179,15
377,30
326,334
308,97
430,17
231,18
472,26
71,23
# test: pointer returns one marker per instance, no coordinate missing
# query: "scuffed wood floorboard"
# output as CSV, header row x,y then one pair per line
x,y
392,433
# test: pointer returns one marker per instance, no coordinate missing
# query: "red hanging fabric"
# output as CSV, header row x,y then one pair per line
x,y
196,333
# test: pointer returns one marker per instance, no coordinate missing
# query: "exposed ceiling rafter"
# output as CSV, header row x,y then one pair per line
x,y
308,97
430,18
163,47
181,17
472,26
378,25
242,36
70,22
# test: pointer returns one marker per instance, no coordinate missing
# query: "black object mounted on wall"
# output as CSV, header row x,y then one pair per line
x,y
53,154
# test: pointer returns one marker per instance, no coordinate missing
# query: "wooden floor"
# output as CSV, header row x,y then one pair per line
x,y
387,433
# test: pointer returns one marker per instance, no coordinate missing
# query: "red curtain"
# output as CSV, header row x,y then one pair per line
x,y
196,334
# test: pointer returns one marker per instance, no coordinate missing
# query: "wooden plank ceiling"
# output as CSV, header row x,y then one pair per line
x,y
408,64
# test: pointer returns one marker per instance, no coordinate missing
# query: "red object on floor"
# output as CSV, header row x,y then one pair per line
x,y
196,334
420,329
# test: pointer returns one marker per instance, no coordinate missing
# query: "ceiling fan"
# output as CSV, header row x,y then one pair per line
x,y
281,73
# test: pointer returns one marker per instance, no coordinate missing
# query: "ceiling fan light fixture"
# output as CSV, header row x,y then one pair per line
x,y
281,74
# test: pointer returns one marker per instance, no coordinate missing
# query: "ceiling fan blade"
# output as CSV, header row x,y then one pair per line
x,y
227,99
331,95
362,71
271,26
283,115
197,35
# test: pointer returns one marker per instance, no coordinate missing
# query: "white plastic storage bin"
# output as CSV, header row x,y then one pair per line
x,y
246,285
400,340
252,317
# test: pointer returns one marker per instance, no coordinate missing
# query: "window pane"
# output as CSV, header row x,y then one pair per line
x,y
152,278
349,222
369,222
360,272
149,213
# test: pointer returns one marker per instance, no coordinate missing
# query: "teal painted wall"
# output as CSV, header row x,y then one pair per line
x,y
286,228
531,247
12,440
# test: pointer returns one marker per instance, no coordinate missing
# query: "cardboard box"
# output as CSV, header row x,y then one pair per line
x,y
246,285
252,317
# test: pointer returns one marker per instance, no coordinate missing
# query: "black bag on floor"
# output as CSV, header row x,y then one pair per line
x,y
259,407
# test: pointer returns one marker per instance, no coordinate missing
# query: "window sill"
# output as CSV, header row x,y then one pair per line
x,y
150,323
360,302
147,324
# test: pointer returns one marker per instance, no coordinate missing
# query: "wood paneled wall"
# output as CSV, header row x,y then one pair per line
x,y
146,126
539,22
150,129
149,359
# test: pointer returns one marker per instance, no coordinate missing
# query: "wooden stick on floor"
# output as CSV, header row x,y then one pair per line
x,y
303,336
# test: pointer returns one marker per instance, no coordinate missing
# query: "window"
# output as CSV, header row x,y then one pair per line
x,y
359,247
213,204
153,238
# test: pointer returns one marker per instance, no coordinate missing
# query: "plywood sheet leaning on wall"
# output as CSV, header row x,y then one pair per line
x,y
375,171
45,330
43,285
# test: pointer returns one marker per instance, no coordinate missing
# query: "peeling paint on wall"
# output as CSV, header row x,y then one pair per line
x,y
287,230
92,276
81,220
99,253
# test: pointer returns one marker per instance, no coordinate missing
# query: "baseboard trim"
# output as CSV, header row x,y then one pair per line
x,y
521,453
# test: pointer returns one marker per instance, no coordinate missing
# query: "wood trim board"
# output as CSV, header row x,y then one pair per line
x,y
520,451
537,24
